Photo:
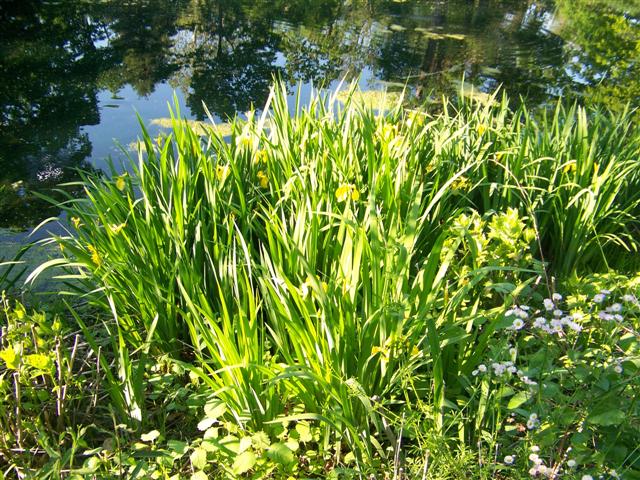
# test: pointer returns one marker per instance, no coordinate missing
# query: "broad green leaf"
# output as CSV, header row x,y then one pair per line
x,y
605,419
205,423
244,462
304,431
198,458
177,447
199,475
280,453
519,399
215,409
39,361
11,358
261,441
150,436
245,444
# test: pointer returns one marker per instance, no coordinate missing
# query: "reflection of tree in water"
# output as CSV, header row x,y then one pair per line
x,y
139,43
605,48
227,58
46,95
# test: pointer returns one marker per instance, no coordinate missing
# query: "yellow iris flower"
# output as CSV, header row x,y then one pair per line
x,y
347,190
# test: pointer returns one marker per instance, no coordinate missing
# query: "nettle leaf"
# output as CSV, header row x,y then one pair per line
x,y
199,458
244,462
519,399
280,453
261,441
608,418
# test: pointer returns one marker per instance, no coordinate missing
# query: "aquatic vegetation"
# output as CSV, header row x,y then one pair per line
x,y
357,290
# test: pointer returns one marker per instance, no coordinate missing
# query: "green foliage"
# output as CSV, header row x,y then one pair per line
x,y
43,391
321,292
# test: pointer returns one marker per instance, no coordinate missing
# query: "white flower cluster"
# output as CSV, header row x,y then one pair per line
x,y
538,468
557,324
533,422
521,314
500,369
611,313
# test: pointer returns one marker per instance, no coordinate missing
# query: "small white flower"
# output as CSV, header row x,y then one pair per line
x,y
512,369
605,316
618,317
525,307
517,324
533,416
535,458
556,297
556,322
508,460
482,368
539,322
629,298
575,327
605,291
513,351
535,448
616,308
617,368
548,304
558,313
571,463
598,298
587,477
474,373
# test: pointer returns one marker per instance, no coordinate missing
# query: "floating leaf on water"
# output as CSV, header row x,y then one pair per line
x,y
433,35
454,36
472,93
376,99
491,71
200,128
397,28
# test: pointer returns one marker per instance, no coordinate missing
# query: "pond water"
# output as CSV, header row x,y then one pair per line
x,y
73,73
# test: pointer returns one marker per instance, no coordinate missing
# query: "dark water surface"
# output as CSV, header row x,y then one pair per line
x,y
73,73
